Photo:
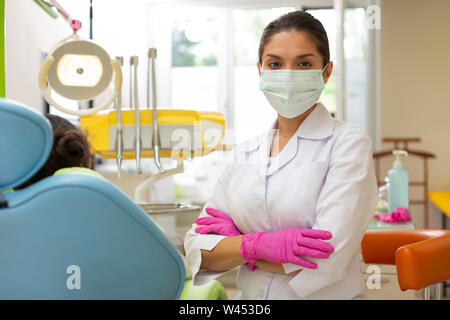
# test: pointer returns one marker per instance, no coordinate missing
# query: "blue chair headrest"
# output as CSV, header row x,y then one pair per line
x,y
25,143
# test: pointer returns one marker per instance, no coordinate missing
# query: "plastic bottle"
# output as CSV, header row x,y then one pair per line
x,y
398,183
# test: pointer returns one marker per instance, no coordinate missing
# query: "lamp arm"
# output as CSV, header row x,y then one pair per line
x,y
47,8
74,24
43,71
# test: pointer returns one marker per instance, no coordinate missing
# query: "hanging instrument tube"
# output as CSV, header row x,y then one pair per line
x,y
137,116
156,142
119,141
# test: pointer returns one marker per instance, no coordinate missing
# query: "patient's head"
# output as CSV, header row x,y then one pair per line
x,y
70,149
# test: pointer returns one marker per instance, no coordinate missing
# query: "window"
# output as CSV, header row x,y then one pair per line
x,y
194,68
356,67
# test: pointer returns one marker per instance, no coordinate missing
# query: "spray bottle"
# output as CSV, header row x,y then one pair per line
x,y
398,183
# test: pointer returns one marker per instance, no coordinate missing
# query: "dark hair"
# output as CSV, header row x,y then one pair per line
x,y
300,21
70,149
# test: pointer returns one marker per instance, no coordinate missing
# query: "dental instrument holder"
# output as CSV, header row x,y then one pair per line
x,y
156,142
119,139
137,119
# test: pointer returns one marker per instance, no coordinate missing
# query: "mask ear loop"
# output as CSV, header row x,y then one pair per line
x,y
326,66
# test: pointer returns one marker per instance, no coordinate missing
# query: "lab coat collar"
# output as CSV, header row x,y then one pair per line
x,y
318,125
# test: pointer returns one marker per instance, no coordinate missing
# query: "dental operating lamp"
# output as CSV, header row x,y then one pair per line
x,y
79,70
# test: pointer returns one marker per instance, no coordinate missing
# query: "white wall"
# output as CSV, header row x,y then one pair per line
x,y
29,31
415,85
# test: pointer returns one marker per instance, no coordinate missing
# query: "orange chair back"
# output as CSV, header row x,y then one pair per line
x,y
422,256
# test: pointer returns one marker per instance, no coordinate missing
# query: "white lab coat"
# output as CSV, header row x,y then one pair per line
x,y
322,179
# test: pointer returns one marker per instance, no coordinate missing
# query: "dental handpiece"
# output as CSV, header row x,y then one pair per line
x,y
137,117
148,80
119,138
156,143
131,82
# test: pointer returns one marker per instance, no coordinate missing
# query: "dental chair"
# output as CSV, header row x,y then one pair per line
x,y
421,256
76,236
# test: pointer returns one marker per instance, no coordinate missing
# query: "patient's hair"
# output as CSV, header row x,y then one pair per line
x,y
70,149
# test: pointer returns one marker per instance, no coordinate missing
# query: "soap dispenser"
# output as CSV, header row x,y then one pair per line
x,y
398,183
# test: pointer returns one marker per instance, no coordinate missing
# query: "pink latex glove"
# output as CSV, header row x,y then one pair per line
x,y
286,245
219,223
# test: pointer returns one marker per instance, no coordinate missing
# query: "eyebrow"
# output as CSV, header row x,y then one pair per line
x,y
297,57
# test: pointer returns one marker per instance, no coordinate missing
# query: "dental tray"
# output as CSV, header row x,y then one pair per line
x,y
168,208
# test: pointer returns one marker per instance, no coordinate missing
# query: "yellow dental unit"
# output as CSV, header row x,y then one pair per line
x,y
183,133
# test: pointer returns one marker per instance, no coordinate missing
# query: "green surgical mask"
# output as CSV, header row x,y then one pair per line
x,y
292,92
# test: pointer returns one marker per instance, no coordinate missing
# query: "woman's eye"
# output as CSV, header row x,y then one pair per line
x,y
274,64
304,64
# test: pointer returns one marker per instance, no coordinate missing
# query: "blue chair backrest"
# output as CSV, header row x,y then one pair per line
x,y
26,139
75,236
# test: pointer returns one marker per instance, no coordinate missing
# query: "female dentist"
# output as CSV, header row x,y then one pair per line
x,y
292,207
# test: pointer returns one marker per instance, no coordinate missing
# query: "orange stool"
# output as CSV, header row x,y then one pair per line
x,y
422,256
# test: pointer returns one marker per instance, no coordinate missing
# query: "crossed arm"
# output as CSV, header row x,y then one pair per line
x,y
226,255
